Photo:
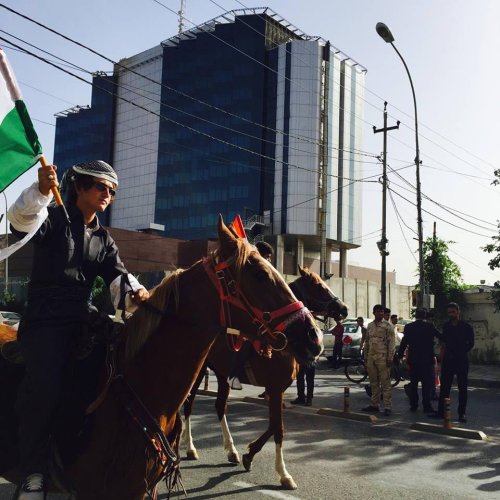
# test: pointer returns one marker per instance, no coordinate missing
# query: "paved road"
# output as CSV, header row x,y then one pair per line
x,y
336,459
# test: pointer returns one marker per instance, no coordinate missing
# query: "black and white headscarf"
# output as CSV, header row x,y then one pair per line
x,y
96,168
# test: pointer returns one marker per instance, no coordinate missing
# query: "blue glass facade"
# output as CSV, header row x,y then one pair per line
x,y
87,133
200,174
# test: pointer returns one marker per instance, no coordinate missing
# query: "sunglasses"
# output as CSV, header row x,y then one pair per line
x,y
102,187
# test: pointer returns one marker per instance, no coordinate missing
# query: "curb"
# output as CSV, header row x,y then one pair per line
x,y
206,393
264,402
360,417
454,431
484,384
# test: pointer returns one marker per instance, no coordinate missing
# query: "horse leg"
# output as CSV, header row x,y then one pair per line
x,y
221,408
276,423
255,446
191,452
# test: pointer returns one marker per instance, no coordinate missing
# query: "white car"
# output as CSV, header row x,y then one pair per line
x,y
9,318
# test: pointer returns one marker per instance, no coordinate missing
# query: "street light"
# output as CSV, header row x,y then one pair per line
x,y
386,35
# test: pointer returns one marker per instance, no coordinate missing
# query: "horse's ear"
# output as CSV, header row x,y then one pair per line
x,y
233,231
302,271
226,239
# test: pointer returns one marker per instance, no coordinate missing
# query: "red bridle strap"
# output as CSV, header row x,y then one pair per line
x,y
230,293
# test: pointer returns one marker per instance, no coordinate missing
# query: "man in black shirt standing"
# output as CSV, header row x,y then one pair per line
x,y
419,336
458,339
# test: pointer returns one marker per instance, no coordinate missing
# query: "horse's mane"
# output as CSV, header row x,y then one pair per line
x,y
145,321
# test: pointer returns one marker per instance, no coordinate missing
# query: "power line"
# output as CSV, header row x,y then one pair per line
x,y
163,85
384,100
199,132
450,210
400,219
439,218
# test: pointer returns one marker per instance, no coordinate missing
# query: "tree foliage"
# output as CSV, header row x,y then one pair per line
x,y
494,249
442,274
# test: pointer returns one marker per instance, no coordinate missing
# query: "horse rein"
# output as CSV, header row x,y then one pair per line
x,y
231,294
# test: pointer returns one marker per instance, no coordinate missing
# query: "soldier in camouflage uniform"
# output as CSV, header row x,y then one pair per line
x,y
379,351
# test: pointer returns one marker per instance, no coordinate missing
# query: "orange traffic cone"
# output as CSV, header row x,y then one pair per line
x,y
437,382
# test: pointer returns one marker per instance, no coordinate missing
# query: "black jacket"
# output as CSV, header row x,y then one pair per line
x,y
72,256
458,341
419,336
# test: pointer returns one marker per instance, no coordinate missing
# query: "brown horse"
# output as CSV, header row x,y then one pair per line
x,y
275,374
166,345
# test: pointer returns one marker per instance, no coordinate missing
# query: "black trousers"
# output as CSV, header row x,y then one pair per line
x,y
47,335
460,368
421,372
337,354
306,374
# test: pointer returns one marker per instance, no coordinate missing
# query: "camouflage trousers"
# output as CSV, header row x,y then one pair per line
x,y
380,380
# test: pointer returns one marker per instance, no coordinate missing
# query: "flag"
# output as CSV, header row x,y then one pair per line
x,y
19,146
238,227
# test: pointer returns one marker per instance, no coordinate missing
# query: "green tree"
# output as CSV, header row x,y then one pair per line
x,y
442,274
101,297
494,249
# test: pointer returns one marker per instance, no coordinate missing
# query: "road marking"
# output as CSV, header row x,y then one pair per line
x,y
269,493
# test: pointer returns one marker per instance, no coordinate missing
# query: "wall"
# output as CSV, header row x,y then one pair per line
x,y
480,313
361,295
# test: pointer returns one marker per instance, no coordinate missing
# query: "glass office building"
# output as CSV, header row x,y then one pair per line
x,y
245,114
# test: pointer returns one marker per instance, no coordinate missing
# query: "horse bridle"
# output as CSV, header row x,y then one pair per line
x,y
231,294
323,305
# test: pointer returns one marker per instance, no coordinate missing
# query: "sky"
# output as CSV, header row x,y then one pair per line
x,y
450,46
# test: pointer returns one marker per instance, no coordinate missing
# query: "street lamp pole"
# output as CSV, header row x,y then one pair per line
x,y
385,33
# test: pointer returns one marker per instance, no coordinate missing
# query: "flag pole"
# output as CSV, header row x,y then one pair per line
x,y
55,192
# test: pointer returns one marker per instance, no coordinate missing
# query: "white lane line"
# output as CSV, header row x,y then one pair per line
x,y
269,493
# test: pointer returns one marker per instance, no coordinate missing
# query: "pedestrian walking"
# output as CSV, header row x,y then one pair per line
x,y
387,313
379,351
338,334
458,340
306,375
419,338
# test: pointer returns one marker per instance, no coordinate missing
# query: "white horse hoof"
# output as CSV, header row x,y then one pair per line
x,y
233,457
288,483
192,455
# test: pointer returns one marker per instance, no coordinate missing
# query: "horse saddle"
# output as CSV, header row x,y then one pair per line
x,y
97,328
82,380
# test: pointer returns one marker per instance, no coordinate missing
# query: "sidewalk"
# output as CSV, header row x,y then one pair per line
x,y
484,376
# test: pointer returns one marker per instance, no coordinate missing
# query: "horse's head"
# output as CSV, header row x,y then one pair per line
x,y
317,296
259,301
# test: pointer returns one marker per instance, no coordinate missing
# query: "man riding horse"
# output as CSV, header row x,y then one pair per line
x,y
67,259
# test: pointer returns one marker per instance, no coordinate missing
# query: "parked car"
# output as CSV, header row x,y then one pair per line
x,y
402,323
9,318
351,340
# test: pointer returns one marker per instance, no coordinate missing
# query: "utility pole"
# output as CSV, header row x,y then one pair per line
x,y
325,256
382,244
182,16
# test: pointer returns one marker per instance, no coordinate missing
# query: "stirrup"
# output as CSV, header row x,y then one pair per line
x,y
234,383
32,486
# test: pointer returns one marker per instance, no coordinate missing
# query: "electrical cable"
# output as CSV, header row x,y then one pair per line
x,y
227,143
400,219
444,207
125,68
439,218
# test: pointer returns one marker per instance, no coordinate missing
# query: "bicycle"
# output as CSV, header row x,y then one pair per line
x,y
355,371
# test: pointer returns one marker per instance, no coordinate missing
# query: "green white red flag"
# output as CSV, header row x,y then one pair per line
x,y
19,145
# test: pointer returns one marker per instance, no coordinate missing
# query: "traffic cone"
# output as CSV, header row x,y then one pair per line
x,y
437,382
